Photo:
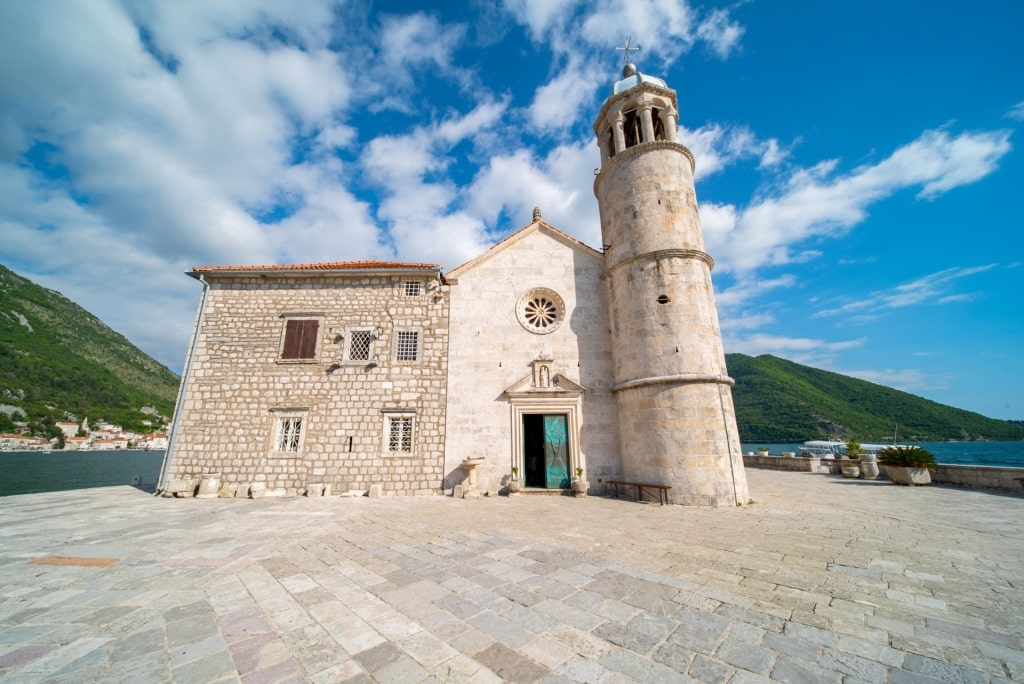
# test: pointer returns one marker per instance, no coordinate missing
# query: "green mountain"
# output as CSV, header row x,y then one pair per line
x,y
781,401
58,361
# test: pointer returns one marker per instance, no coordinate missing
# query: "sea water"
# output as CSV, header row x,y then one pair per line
x,y
26,472
996,454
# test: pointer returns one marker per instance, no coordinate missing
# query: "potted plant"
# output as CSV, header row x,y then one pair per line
x,y
849,466
908,465
579,485
514,484
762,451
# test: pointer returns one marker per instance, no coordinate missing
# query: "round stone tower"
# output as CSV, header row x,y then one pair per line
x,y
677,423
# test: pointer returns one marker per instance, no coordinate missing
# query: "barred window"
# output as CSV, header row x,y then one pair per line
x,y
400,434
412,288
408,345
289,434
359,345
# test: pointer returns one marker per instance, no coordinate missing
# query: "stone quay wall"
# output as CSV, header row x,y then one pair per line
x,y
979,477
975,477
807,465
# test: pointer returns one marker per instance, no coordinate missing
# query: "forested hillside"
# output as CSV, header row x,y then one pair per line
x,y
57,360
781,401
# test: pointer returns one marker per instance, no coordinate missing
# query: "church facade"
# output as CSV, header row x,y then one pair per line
x,y
542,360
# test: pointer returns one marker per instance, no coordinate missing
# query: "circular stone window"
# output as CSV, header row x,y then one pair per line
x,y
540,311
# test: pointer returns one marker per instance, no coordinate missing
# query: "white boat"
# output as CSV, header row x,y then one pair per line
x,y
823,448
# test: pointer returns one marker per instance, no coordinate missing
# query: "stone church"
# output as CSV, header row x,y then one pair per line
x,y
542,360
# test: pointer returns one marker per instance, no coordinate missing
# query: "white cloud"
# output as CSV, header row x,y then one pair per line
x,y
908,380
418,41
540,15
809,351
817,202
555,102
931,287
1016,112
716,147
662,29
559,184
721,33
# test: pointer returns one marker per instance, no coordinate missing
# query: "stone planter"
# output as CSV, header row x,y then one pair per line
x,y
851,470
869,467
514,487
209,486
909,476
580,487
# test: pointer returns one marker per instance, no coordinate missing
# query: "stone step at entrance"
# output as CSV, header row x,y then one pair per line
x,y
542,491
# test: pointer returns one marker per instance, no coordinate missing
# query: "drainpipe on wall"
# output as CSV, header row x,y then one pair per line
x,y
162,482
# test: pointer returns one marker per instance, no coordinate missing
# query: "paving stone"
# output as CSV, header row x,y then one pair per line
x,y
582,643
501,629
853,665
745,656
510,665
942,671
674,656
640,669
373,659
207,669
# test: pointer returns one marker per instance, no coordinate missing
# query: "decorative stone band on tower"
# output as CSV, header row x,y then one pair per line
x,y
676,416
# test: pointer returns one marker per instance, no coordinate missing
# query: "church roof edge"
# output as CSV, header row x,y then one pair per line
x,y
515,237
325,267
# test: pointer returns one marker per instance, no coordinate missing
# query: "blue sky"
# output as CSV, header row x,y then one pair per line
x,y
858,164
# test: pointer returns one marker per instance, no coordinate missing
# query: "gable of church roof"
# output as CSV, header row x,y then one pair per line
x,y
519,236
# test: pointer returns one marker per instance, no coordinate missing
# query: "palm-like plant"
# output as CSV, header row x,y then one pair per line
x,y
907,457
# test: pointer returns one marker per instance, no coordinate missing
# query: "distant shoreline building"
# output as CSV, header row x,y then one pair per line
x,y
542,359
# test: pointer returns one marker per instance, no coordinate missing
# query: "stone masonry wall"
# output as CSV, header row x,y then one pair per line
x,y
676,416
239,387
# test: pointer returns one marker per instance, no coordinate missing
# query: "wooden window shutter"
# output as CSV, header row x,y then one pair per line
x,y
300,339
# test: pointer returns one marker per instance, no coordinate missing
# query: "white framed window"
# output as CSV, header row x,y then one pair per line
x,y
413,288
289,430
407,345
359,344
398,428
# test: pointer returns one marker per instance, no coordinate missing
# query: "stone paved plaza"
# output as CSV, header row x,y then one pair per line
x,y
820,580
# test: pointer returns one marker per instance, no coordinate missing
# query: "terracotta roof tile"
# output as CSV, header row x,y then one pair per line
x,y
327,266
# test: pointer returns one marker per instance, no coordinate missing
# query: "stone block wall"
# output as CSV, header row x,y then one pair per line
x,y
240,388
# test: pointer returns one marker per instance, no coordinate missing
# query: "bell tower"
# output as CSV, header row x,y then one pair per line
x,y
677,423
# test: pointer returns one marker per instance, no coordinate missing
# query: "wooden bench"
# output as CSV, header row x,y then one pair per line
x,y
662,490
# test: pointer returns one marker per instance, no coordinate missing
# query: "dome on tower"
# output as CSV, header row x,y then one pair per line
x,y
631,78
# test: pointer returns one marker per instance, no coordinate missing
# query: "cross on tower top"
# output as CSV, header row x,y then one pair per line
x,y
627,48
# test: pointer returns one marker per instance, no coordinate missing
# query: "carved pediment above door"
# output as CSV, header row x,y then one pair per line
x,y
544,381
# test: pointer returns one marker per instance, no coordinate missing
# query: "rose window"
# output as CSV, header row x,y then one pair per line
x,y
540,311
